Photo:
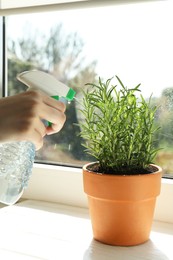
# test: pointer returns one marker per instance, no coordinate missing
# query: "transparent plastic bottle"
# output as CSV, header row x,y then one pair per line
x,y
17,158
16,162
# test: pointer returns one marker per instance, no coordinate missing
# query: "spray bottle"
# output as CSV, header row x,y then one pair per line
x,y
17,158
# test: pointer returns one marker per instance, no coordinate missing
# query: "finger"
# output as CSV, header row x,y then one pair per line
x,y
54,103
52,115
40,127
54,129
37,139
40,132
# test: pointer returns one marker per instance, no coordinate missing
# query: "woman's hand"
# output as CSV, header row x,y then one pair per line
x,y
22,115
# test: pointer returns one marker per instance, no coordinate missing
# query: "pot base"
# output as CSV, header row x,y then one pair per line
x,y
123,223
122,245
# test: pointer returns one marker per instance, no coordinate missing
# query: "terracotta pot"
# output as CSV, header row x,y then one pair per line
x,y
122,207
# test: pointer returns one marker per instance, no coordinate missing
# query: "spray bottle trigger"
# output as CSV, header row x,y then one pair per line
x,y
57,98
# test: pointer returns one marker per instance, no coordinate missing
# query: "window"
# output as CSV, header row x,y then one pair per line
x,y
79,45
64,184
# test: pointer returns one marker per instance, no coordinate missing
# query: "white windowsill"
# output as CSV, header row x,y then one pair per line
x,y
40,230
64,185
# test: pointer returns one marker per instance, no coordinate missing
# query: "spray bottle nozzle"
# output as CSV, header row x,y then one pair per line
x,y
36,79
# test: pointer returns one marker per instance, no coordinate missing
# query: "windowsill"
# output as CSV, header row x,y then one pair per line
x,y
42,230
64,185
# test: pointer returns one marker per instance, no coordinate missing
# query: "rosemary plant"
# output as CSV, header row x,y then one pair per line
x,y
118,128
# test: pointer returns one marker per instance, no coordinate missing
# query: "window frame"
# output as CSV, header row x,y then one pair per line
x,y
2,57
15,7
1,52
66,182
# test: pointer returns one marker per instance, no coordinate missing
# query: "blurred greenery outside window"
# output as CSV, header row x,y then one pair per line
x,y
78,46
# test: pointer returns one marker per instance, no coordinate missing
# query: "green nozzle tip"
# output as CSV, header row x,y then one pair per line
x,y
70,95
55,97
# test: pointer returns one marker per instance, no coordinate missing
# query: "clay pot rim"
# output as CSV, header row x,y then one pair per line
x,y
158,171
133,187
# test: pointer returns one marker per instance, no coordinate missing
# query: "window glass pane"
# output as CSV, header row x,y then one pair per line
x,y
133,41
